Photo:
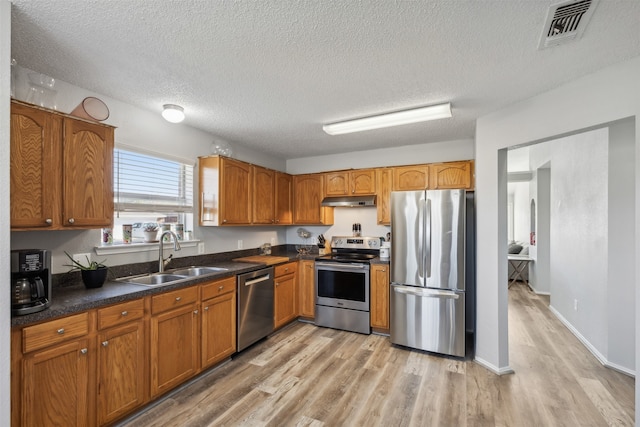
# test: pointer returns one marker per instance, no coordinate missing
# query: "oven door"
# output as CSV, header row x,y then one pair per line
x,y
342,285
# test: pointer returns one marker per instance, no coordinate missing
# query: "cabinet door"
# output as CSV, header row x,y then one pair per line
x,y
87,168
284,198
34,176
380,296
218,328
411,178
121,368
307,299
263,195
55,386
363,181
383,200
285,308
336,183
174,348
308,194
452,175
235,192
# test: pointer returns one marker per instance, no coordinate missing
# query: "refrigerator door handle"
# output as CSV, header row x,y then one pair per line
x,y
421,239
428,293
427,238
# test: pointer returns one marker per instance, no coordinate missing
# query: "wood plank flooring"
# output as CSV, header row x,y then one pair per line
x,y
310,376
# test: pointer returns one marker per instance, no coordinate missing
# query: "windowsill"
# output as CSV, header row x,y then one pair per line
x,y
125,248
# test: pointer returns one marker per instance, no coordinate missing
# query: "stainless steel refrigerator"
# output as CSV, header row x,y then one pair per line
x,y
428,290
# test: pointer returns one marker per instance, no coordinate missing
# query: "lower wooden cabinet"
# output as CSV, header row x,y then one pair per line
x,y
306,288
380,297
285,296
218,328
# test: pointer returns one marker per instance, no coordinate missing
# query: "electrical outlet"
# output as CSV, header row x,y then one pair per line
x,y
82,258
575,304
273,241
240,244
200,248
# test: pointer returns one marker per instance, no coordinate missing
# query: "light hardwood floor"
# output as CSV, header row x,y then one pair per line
x,y
306,375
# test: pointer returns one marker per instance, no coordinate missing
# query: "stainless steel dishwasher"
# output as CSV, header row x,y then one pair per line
x,y
255,306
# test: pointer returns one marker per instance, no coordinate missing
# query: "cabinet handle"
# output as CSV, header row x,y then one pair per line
x,y
178,298
83,351
124,313
61,331
286,269
277,284
195,311
220,288
206,308
105,343
384,270
71,220
48,221
277,221
224,220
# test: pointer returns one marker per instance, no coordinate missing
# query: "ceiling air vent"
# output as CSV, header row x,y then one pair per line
x,y
566,21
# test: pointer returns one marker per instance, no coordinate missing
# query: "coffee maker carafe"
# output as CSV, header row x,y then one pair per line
x,y
30,281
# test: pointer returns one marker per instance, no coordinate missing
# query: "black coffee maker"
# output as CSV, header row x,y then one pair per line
x,y
30,281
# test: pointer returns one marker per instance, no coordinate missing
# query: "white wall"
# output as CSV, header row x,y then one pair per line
x,y
5,307
605,96
579,233
519,196
539,270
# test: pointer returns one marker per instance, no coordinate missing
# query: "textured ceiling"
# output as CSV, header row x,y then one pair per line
x,y
268,74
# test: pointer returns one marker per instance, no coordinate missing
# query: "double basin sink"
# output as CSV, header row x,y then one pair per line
x,y
171,276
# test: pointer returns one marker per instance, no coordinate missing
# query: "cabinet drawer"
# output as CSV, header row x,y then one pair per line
x,y
288,268
219,287
54,332
121,313
160,303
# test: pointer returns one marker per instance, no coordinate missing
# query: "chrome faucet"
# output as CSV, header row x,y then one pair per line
x,y
162,263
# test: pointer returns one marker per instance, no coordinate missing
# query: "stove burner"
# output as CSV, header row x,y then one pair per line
x,y
347,257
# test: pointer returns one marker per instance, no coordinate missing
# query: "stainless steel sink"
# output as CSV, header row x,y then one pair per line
x,y
197,271
154,279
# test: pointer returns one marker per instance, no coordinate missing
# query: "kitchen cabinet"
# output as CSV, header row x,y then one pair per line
x,y
263,195
61,171
354,182
380,297
174,338
451,175
225,191
285,303
307,300
122,368
384,179
218,321
284,198
414,177
308,192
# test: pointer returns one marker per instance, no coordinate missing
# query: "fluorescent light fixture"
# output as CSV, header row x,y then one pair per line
x,y
405,117
173,113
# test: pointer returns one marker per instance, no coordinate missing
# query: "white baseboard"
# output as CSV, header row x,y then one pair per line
x,y
498,371
601,358
541,293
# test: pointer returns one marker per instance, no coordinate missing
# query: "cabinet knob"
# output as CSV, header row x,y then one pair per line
x,y
286,269
124,313
61,331
220,287
277,284
195,311
105,343
277,221
71,220
178,298
83,351
224,220
48,221
206,308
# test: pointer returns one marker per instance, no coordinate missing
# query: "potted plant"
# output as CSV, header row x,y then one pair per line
x,y
93,273
150,230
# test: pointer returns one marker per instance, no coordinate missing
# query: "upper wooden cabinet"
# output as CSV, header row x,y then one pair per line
x,y
383,200
414,177
354,182
284,198
61,171
225,191
308,192
452,175
263,195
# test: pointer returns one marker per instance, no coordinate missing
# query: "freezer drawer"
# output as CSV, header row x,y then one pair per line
x,y
428,319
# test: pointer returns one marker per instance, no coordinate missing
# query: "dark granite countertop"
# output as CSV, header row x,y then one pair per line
x,y
75,298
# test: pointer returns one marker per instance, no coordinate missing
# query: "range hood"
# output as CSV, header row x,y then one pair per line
x,y
349,201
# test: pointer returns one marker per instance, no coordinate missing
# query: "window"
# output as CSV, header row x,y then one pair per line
x,y
150,189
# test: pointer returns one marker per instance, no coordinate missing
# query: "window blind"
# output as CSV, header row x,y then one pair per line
x,y
144,183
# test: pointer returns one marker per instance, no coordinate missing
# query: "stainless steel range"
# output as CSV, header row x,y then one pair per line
x,y
342,283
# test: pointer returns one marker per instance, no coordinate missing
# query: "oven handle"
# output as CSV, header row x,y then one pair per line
x,y
342,265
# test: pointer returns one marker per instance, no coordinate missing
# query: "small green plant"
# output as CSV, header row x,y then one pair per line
x,y
91,265
150,226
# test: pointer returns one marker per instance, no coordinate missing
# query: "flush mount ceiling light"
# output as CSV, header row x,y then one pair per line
x,y
173,113
423,114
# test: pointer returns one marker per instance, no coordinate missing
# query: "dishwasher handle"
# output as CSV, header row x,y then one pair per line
x,y
258,279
